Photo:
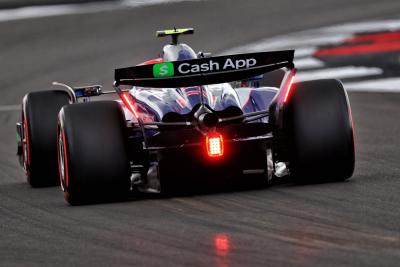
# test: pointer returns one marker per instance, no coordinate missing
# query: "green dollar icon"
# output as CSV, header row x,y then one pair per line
x,y
165,69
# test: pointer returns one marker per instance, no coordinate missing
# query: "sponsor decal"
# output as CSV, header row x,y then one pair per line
x,y
212,65
165,69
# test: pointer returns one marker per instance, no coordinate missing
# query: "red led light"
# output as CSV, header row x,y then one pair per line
x,y
128,101
215,145
222,244
289,88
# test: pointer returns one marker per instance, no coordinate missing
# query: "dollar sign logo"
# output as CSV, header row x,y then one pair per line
x,y
165,69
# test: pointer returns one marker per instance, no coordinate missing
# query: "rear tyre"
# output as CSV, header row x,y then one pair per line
x,y
93,159
318,117
39,124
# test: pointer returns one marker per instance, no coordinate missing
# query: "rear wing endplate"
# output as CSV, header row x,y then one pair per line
x,y
203,71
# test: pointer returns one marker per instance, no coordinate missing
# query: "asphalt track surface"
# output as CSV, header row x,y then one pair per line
x,y
353,223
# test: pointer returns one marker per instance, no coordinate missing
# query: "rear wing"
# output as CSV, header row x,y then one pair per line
x,y
203,71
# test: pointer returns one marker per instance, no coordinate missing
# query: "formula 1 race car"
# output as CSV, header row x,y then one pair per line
x,y
186,115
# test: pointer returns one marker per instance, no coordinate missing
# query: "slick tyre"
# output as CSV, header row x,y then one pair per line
x,y
92,152
39,124
319,120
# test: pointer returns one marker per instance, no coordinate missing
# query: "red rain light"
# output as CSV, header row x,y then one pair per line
x,y
128,101
215,145
288,89
222,244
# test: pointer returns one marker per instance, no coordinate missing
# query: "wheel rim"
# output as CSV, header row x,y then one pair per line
x,y
25,146
61,158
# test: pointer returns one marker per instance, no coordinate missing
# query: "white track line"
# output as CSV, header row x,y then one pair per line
x,y
304,51
308,63
338,73
369,26
306,41
381,85
58,10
